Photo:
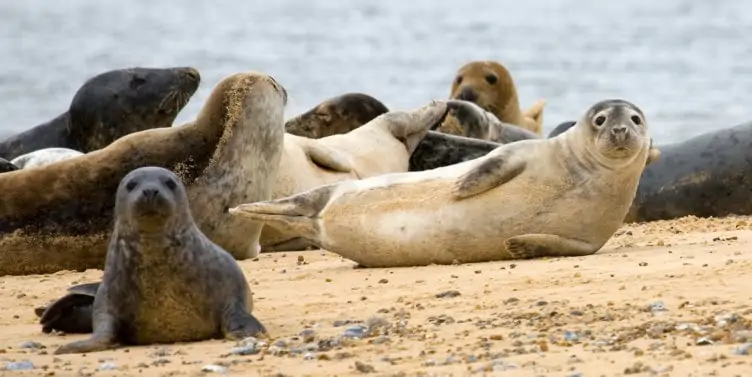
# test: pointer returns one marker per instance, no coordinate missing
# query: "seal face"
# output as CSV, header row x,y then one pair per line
x,y
109,106
164,280
44,157
489,85
338,115
470,120
564,196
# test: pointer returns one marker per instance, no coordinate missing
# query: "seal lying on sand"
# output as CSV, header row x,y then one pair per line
x,y
470,120
109,106
227,156
164,281
439,149
44,156
382,146
338,115
564,196
489,84
709,175
6,166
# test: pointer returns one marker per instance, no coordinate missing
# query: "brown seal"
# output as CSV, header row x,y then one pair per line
x,y
164,281
57,216
335,116
109,106
382,146
489,84
564,196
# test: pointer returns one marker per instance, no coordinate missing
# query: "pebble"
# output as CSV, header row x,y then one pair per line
x,y
381,340
107,366
658,306
214,368
571,336
364,368
704,341
448,294
743,350
20,365
309,356
357,331
32,345
244,350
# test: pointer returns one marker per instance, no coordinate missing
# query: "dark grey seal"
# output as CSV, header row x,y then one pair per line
x,y
164,281
467,119
108,106
439,149
335,116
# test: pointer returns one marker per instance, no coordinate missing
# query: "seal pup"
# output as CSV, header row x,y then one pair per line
x,y
564,196
228,155
468,119
164,281
439,149
489,84
384,145
6,166
335,116
44,156
109,106
709,175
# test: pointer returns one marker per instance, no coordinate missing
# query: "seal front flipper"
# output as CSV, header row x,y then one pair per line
x,y
72,312
326,157
529,246
104,337
239,324
492,172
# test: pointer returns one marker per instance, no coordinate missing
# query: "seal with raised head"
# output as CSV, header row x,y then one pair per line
x,y
164,281
564,196
384,145
489,85
470,120
56,217
109,106
335,116
709,175
44,156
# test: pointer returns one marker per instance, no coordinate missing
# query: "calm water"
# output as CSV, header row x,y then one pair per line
x,y
686,63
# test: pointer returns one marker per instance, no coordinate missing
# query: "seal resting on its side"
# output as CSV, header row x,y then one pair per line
x,y
335,116
382,146
57,217
564,196
164,281
44,156
109,106
489,84
470,120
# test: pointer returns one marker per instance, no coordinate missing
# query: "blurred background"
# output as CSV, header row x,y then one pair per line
x,y
685,62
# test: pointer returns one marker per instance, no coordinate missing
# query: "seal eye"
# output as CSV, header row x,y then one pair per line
x,y
130,185
600,120
492,79
170,184
636,120
459,80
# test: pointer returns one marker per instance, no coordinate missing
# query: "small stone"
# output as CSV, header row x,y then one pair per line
x,y
244,351
571,336
301,260
308,335
281,343
364,368
704,341
309,356
20,365
743,350
31,345
496,337
643,264
381,340
357,332
657,306
214,368
541,303
513,265
328,280
107,366
383,281
448,294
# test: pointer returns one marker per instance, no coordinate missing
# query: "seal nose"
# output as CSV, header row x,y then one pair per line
x,y
467,94
192,74
150,193
619,130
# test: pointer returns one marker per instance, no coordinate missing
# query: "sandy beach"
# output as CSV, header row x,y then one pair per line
x,y
666,298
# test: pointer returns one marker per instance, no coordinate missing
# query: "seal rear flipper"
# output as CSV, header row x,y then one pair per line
x,y
326,157
535,114
490,173
86,288
293,244
238,324
72,314
529,246
411,127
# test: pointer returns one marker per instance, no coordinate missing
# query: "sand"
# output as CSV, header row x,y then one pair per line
x,y
669,298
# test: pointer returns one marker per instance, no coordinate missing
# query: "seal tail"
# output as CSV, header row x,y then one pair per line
x,y
535,113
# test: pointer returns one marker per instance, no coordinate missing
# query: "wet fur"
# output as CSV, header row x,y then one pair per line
x,y
532,198
108,106
58,216
499,98
335,116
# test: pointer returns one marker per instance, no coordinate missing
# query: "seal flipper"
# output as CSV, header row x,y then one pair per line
x,y
326,157
239,324
529,246
71,313
104,337
492,172
411,127
535,113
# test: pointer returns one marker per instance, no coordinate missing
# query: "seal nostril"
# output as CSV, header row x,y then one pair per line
x,y
150,193
467,94
619,130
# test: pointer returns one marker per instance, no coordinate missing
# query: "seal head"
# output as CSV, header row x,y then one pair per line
x,y
338,115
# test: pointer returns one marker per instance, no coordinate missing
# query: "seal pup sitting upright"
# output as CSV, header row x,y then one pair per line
x,y
490,85
564,196
382,146
109,106
164,281
44,156
335,116
227,156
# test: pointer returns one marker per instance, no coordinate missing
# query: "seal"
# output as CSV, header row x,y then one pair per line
x,y
384,145
227,156
561,128
109,106
164,281
489,84
564,196
438,149
6,166
44,156
335,116
470,120
709,175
